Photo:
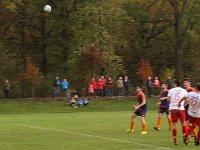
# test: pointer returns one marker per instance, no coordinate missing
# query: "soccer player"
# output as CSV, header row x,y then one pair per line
x,y
189,88
163,108
140,110
193,113
177,113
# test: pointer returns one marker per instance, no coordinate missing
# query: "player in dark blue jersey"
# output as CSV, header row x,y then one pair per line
x,y
140,110
163,108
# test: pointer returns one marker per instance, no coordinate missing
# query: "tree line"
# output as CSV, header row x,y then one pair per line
x,y
80,39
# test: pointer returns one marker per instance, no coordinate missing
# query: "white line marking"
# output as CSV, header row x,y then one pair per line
x,y
96,136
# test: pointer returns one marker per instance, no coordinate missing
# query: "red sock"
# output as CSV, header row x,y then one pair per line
x,y
184,129
190,130
132,125
174,133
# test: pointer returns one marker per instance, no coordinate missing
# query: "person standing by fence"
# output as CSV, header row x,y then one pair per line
x,y
149,86
56,86
65,86
6,88
126,85
110,86
120,86
156,85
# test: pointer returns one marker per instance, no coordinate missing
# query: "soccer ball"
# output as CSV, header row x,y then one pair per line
x,y
47,8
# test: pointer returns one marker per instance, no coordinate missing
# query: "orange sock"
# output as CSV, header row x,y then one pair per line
x,y
132,125
159,122
194,133
144,127
170,122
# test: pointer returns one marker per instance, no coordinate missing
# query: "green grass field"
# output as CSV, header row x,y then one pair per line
x,y
53,125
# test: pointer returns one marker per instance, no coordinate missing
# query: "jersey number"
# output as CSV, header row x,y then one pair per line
x,y
177,97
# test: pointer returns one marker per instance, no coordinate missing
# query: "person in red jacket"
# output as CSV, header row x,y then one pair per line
x,y
94,84
156,85
104,85
100,87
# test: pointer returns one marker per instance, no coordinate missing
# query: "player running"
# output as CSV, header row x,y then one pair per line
x,y
163,108
140,110
177,113
193,113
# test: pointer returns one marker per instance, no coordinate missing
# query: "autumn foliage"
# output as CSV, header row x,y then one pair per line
x,y
144,70
91,60
33,77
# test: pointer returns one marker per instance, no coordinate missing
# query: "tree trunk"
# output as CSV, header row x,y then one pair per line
x,y
178,49
178,40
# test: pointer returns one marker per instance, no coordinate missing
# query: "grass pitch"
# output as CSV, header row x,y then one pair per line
x,y
52,125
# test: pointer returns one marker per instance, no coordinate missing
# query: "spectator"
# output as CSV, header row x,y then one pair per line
x,y
6,88
82,102
85,101
149,85
73,101
126,85
100,87
94,84
65,86
69,91
57,87
91,90
156,85
110,86
169,83
104,85
120,86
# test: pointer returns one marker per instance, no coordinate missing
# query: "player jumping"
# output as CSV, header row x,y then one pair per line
x,y
193,113
163,108
140,110
174,96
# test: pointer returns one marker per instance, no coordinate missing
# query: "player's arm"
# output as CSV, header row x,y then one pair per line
x,y
143,102
163,98
181,100
168,98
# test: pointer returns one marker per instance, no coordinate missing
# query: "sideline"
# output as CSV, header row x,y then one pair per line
x,y
96,136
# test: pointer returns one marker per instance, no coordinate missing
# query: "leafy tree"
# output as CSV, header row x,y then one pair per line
x,y
33,76
90,61
144,70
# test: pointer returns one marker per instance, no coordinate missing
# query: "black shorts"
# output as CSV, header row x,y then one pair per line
x,y
141,113
164,110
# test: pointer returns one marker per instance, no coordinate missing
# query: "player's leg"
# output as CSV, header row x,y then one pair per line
x,y
174,116
174,132
159,120
169,119
192,125
198,138
182,117
132,124
144,126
